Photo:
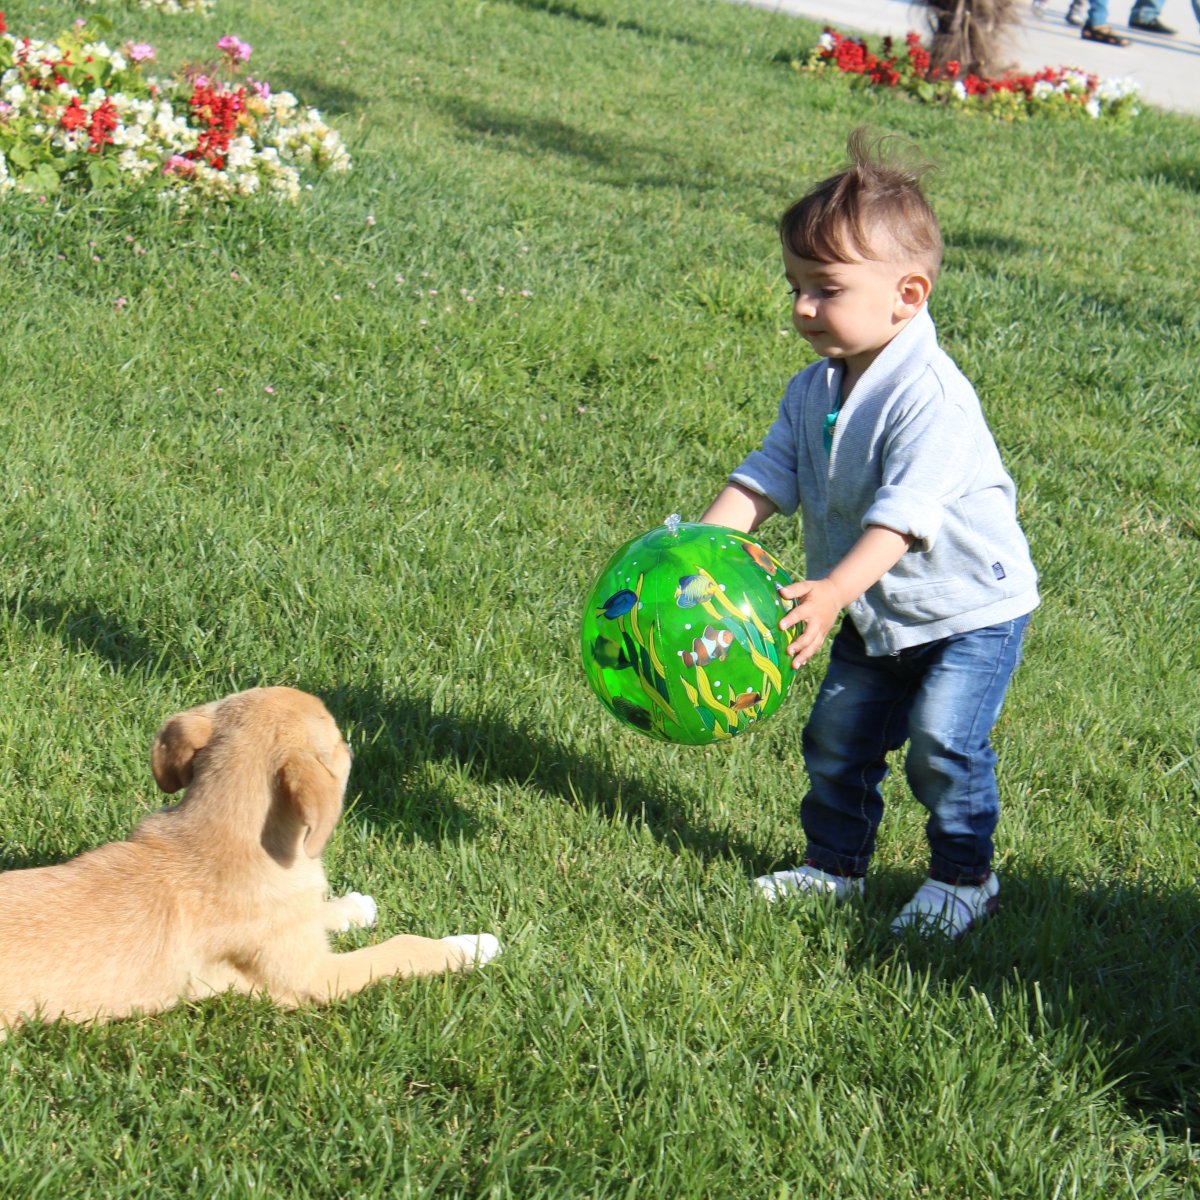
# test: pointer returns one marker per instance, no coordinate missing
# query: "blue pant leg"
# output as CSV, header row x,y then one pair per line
x,y
1147,10
859,715
1097,13
951,763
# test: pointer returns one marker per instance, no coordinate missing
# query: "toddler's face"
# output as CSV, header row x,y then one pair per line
x,y
847,310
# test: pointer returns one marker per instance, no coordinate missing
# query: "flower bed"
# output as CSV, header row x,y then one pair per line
x,y
76,114
1052,91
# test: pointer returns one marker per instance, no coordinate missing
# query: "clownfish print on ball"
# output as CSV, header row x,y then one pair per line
x,y
714,644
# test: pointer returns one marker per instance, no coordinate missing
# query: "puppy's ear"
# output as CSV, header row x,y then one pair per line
x,y
175,746
315,797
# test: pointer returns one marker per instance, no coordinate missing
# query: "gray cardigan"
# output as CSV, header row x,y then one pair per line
x,y
911,451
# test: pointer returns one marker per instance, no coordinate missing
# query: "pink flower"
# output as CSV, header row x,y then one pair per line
x,y
140,51
178,165
234,48
261,86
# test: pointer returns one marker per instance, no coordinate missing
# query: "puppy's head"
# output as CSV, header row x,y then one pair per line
x,y
274,741
314,769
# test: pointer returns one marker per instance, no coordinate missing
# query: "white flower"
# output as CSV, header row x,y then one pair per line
x,y
129,135
959,89
1093,107
1117,89
241,153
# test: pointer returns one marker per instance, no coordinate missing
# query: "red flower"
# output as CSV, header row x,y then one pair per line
x,y
3,27
216,113
100,127
853,57
918,56
73,115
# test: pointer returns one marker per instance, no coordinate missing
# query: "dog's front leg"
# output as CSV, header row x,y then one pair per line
x,y
402,956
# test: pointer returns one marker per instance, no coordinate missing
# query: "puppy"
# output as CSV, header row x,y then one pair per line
x,y
222,891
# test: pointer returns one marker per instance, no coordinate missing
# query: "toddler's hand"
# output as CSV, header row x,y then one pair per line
x,y
817,605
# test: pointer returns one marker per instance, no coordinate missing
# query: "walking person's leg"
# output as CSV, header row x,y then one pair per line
x,y
951,768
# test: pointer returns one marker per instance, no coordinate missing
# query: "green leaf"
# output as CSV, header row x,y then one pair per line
x,y
44,179
103,173
21,157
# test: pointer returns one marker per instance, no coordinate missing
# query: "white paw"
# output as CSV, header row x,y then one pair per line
x,y
363,910
477,948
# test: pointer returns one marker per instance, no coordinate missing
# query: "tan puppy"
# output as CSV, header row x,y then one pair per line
x,y
223,890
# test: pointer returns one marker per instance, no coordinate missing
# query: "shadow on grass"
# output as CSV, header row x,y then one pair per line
x,y
1114,964
330,99
610,161
402,736
983,241
85,629
577,13
404,733
617,163
1183,174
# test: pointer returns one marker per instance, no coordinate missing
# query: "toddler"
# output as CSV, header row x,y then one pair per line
x,y
910,526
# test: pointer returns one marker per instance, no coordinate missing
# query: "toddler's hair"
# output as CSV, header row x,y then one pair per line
x,y
872,209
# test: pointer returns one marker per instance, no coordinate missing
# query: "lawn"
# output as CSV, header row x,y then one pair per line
x,y
378,445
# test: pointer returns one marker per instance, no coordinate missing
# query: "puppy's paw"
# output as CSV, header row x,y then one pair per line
x,y
476,948
357,910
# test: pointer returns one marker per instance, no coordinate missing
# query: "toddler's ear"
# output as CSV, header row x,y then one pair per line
x,y
911,293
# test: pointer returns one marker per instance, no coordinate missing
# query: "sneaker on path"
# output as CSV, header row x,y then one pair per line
x,y
808,881
948,910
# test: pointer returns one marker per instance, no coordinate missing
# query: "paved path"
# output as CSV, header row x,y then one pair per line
x,y
1167,69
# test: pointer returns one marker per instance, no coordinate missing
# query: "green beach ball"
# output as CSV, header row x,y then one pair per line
x,y
681,637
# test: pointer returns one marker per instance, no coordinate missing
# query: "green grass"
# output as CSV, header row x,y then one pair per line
x,y
407,524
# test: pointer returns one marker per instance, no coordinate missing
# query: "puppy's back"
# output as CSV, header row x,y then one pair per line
x,y
75,937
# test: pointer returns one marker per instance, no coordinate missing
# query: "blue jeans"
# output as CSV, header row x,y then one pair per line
x,y
1145,10
943,699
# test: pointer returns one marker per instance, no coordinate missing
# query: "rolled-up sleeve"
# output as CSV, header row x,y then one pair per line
x,y
771,471
908,511
930,461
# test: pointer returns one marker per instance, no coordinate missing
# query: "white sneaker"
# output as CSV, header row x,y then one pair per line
x,y
948,910
807,881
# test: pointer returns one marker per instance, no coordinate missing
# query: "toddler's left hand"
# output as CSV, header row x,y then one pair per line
x,y
817,607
